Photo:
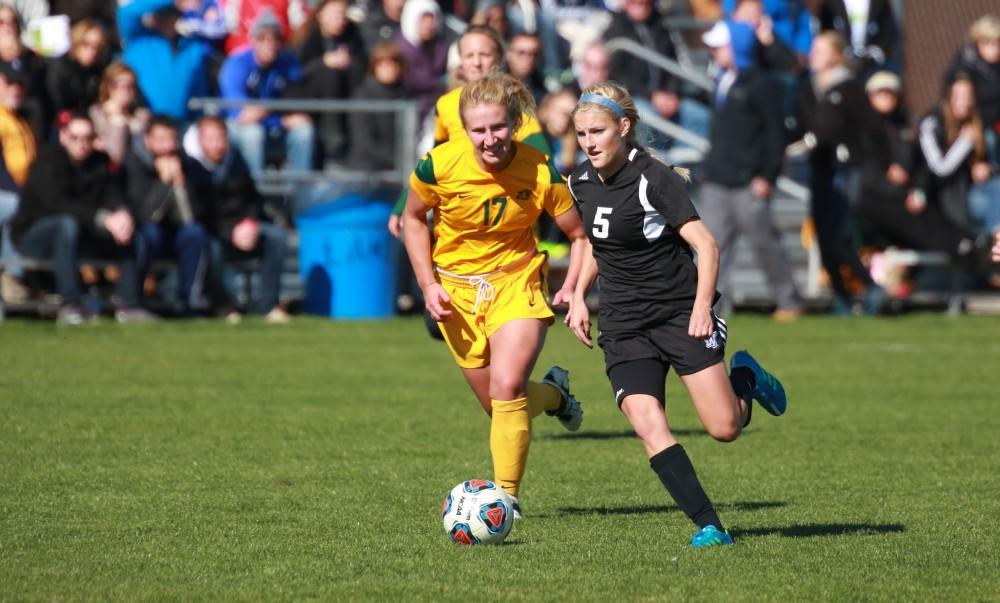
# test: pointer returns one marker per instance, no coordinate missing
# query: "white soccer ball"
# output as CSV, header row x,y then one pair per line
x,y
477,511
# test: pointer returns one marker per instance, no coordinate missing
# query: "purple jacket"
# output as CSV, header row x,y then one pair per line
x,y
426,68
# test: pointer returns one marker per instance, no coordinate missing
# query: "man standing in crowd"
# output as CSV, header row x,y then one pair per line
x,y
743,165
70,208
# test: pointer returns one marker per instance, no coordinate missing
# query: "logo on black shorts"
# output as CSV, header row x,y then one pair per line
x,y
712,342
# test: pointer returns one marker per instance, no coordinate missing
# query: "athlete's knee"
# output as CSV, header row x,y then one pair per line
x,y
507,386
724,431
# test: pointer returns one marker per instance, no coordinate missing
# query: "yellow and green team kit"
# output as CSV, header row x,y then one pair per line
x,y
448,126
487,262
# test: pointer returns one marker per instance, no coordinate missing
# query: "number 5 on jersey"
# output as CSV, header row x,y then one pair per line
x,y
602,225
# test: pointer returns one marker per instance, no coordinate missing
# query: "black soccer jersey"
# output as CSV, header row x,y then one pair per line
x,y
645,266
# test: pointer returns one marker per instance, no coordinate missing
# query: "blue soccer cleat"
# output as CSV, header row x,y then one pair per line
x,y
768,392
710,536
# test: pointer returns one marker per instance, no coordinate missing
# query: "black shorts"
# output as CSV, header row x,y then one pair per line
x,y
637,361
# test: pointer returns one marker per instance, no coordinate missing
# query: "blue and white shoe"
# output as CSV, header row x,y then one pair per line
x,y
768,392
570,413
710,536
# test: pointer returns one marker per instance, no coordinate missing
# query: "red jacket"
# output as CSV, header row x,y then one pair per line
x,y
240,15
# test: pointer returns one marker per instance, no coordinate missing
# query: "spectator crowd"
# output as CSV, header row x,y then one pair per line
x,y
106,169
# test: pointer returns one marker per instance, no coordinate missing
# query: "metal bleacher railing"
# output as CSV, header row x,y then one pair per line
x,y
791,198
288,185
406,127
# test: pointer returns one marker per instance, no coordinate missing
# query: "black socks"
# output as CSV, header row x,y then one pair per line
x,y
744,382
675,470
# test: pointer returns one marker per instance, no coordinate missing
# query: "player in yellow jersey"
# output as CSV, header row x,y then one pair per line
x,y
484,280
480,51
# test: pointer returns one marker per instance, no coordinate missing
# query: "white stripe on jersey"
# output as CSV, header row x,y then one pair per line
x,y
652,223
632,154
569,185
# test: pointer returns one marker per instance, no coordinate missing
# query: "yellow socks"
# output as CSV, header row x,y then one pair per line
x,y
542,397
510,437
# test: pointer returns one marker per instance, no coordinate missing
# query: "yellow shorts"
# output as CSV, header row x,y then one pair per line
x,y
481,305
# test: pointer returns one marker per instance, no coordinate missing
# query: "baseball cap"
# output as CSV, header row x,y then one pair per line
x,y
882,80
266,20
716,37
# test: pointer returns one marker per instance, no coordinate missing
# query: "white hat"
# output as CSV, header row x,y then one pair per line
x,y
718,36
882,80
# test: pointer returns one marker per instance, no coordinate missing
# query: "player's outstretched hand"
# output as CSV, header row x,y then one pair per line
x,y
995,252
578,321
563,296
701,324
437,302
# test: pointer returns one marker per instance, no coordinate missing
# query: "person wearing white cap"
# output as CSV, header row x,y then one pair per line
x,y
743,164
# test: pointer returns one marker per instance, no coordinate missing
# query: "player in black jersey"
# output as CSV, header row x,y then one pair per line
x,y
656,303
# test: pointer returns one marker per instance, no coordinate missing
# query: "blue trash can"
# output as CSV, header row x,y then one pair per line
x,y
348,259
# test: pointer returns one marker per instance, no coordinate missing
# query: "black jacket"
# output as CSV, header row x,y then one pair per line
x,y
880,31
151,199
58,186
320,81
836,116
985,77
228,191
747,136
640,77
377,27
373,135
945,182
777,57
889,141
71,86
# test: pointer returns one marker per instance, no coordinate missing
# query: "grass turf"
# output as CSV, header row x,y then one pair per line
x,y
196,461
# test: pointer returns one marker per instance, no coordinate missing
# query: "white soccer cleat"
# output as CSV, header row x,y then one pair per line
x,y
515,507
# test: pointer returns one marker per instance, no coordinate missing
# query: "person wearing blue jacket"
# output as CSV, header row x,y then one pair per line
x,y
170,68
265,71
791,22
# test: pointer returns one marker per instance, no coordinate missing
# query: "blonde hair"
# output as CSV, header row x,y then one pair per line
x,y
836,40
985,28
115,70
617,93
79,31
498,88
620,96
489,32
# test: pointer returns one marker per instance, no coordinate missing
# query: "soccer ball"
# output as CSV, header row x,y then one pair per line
x,y
477,511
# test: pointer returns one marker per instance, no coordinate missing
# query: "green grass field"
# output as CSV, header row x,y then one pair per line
x,y
201,462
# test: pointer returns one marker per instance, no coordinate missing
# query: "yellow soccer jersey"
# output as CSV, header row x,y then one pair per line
x,y
483,221
448,124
